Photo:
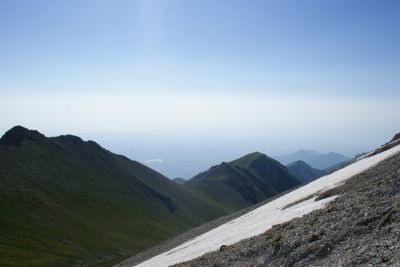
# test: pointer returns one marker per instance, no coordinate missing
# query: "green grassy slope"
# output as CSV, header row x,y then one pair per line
x,y
65,202
304,172
243,182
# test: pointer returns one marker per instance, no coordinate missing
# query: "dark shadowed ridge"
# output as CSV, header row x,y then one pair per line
x,y
243,182
16,135
304,172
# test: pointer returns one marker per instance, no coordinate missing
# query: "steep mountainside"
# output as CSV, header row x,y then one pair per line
x,y
314,159
303,172
243,182
359,228
344,218
64,201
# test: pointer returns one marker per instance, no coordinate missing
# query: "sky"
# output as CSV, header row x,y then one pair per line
x,y
206,79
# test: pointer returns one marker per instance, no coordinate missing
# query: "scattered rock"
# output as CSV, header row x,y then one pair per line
x,y
359,228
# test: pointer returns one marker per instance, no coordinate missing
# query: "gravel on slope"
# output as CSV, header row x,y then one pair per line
x,y
361,227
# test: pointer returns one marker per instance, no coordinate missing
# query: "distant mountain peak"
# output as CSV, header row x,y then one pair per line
x,y
179,180
248,159
303,172
314,158
255,154
17,134
244,181
307,151
298,162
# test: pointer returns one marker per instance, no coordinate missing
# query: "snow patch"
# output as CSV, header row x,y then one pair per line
x,y
263,218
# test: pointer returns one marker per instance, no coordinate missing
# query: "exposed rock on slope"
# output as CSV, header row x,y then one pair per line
x,y
360,227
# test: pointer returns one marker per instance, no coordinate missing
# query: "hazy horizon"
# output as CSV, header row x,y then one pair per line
x,y
203,81
182,155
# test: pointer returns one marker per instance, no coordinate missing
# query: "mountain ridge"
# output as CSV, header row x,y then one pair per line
x,y
17,134
368,182
313,158
304,172
243,181
68,201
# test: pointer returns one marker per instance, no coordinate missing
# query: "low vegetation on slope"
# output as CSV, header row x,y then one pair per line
x,y
67,202
304,172
243,182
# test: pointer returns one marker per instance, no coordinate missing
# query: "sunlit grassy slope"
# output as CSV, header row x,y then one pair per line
x,y
64,201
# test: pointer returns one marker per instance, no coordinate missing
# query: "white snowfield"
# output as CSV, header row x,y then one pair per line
x,y
263,218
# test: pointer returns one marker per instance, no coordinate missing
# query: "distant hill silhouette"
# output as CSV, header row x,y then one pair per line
x,y
304,172
343,164
179,180
313,158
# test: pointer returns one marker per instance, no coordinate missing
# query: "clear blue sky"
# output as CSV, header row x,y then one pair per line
x,y
318,47
313,74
